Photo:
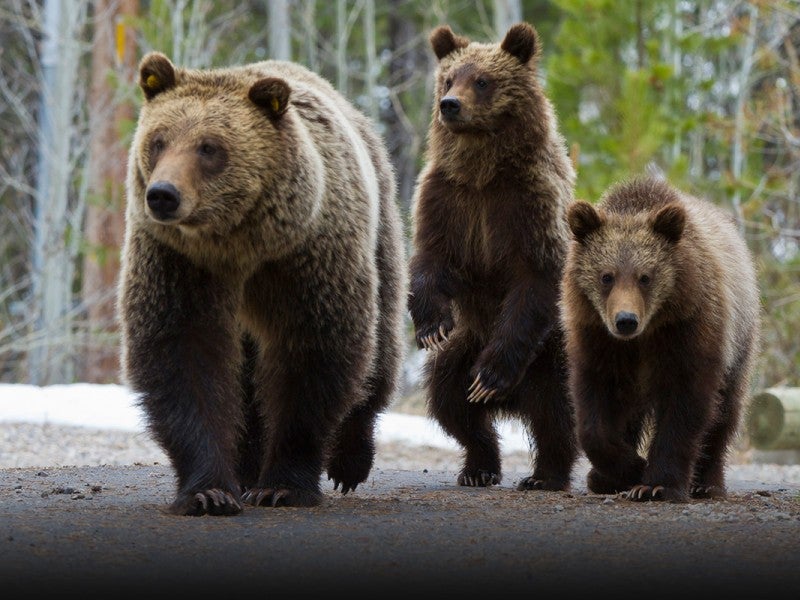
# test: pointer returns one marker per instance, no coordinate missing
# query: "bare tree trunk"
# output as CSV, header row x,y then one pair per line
x,y
506,14
740,119
279,30
341,46
311,34
51,360
113,48
370,81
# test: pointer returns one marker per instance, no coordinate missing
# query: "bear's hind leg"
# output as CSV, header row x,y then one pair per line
x,y
544,405
471,424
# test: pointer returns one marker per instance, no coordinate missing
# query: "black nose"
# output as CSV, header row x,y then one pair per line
x,y
626,323
449,106
163,198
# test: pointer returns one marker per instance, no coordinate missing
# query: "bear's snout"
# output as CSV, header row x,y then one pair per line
x,y
626,322
449,107
163,199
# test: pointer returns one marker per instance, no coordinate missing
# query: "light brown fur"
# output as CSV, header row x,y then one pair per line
x,y
661,309
262,282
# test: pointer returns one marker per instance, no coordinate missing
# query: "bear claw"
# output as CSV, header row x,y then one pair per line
x,y
214,501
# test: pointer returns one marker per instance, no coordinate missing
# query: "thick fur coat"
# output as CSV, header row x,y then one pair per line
x,y
661,312
490,240
263,282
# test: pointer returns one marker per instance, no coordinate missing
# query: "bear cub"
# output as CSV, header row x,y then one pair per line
x,y
490,239
660,306
263,282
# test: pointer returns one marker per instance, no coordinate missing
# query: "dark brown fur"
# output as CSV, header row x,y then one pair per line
x,y
261,312
490,239
661,312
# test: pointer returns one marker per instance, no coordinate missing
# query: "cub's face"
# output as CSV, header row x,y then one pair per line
x,y
623,264
202,162
478,84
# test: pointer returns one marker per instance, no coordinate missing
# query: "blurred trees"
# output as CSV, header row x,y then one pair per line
x,y
706,91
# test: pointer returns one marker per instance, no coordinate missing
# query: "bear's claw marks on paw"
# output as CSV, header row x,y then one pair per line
x,y
480,478
639,493
214,501
435,340
479,391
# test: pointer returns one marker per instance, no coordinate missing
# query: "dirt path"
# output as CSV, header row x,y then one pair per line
x,y
100,531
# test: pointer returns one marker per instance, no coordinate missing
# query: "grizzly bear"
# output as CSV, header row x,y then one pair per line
x,y
263,284
490,239
661,309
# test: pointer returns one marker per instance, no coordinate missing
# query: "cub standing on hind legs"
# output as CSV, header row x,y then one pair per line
x,y
661,313
490,240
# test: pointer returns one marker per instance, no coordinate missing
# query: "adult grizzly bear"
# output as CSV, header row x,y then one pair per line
x,y
661,312
490,241
262,290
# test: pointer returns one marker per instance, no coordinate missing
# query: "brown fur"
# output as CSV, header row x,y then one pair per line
x,y
490,240
261,292
661,311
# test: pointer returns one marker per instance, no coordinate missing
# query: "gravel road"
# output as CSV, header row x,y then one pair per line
x,y
83,516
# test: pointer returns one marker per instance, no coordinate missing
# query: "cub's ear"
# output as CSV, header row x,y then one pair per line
x,y
271,94
156,74
583,219
444,41
669,222
521,41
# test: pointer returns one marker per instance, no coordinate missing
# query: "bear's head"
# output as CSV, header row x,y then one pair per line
x,y
624,263
214,152
484,87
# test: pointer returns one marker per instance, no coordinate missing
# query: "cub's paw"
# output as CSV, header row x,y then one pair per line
x,y
281,496
214,501
490,383
478,478
549,484
641,492
434,336
349,471
707,491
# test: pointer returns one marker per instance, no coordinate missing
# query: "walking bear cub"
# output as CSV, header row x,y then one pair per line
x,y
490,240
263,282
661,311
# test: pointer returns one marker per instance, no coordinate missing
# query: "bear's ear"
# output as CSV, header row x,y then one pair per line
x,y
583,219
521,41
156,74
271,94
444,41
669,222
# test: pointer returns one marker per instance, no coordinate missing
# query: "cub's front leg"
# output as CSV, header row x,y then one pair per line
x,y
181,354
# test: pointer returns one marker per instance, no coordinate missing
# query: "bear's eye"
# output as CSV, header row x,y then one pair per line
x,y
644,279
157,146
606,279
481,83
207,149
448,83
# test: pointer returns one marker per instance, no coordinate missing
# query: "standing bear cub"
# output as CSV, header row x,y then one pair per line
x,y
263,284
661,311
490,241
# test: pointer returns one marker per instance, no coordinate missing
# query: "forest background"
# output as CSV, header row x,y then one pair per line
x,y
706,91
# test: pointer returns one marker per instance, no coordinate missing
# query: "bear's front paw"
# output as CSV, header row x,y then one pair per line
x,y
434,336
478,478
281,495
642,492
214,501
707,491
489,383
